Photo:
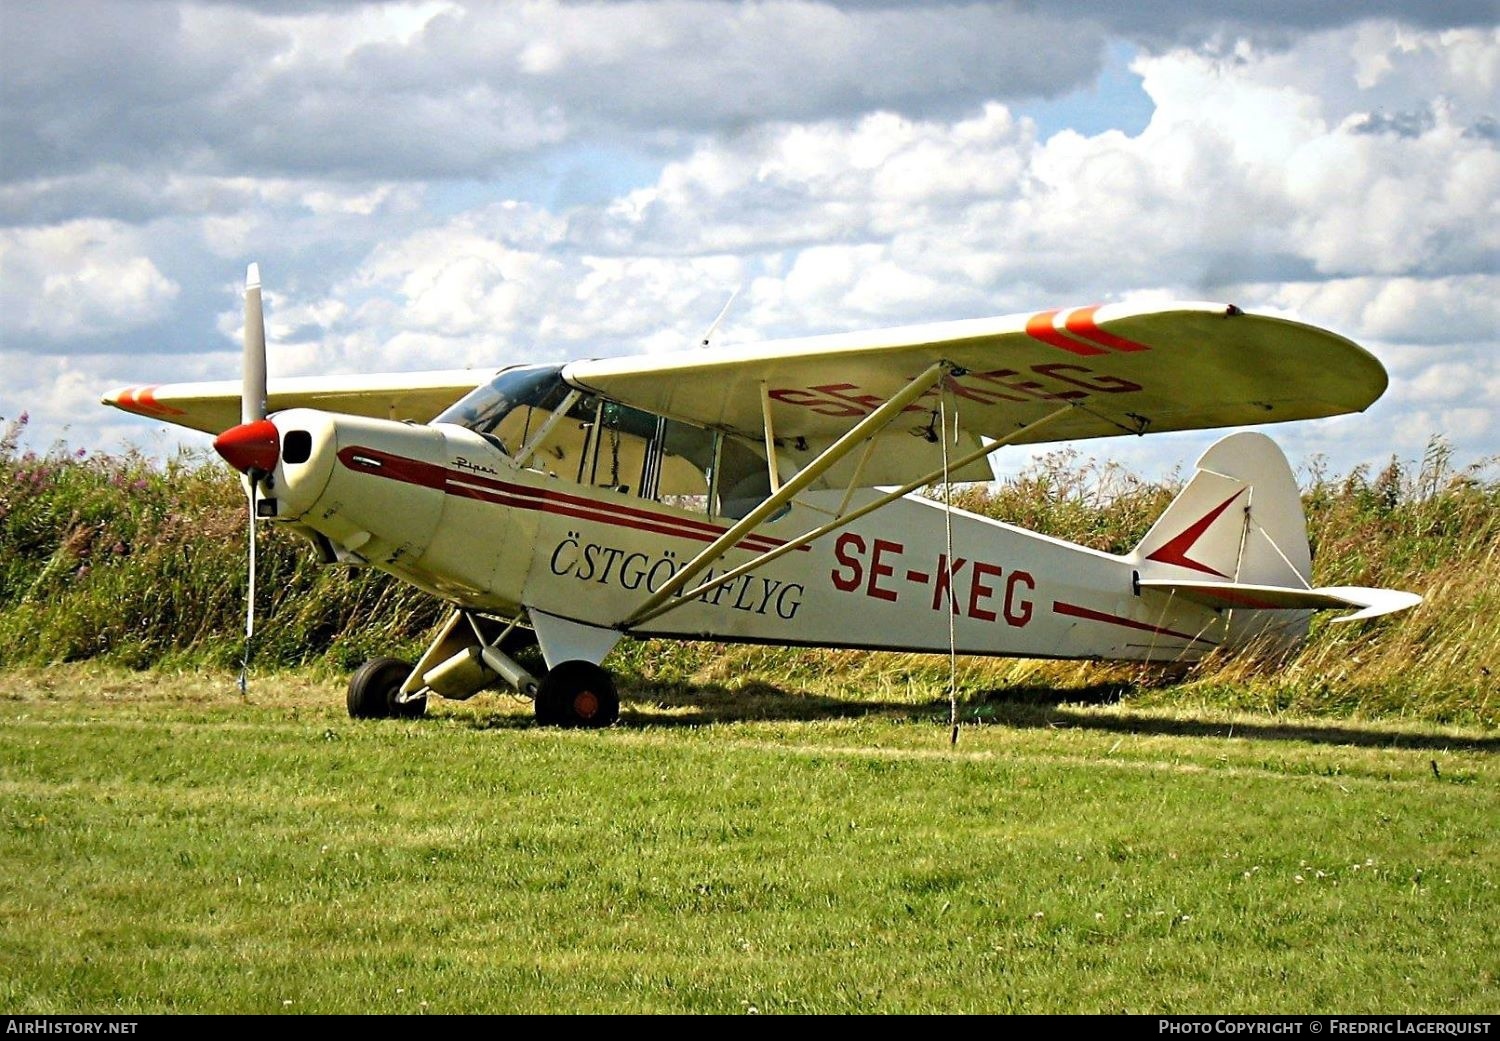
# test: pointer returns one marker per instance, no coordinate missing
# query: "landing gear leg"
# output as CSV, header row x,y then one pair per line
x,y
577,694
468,656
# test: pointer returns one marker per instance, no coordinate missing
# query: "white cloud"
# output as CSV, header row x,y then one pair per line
x,y
1233,182
850,164
1238,188
82,278
1435,310
423,90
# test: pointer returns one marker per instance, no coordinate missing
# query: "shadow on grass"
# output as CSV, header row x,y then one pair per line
x,y
658,704
676,704
650,704
1060,716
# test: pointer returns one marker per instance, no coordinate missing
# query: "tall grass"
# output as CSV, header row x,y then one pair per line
x,y
144,564
118,558
1428,526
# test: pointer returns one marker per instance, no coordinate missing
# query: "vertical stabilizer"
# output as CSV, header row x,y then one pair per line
x,y
1239,521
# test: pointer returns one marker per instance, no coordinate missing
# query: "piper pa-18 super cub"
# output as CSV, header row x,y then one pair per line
x,y
762,493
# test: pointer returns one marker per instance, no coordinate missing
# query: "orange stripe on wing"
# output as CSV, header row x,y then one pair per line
x,y
146,398
1081,323
1040,327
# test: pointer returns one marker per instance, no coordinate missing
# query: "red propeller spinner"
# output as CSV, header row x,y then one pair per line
x,y
250,446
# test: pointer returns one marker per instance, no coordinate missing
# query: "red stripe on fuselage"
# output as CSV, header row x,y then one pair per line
x,y
517,496
551,501
1075,611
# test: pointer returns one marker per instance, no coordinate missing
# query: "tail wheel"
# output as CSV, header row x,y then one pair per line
x,y
375,687
577,694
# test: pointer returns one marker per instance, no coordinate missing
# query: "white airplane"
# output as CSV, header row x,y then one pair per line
x,y
762,493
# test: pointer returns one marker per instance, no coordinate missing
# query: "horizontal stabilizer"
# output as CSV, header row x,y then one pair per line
x,y
1366,602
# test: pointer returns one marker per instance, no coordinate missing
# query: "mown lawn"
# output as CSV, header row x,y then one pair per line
x,y
168,846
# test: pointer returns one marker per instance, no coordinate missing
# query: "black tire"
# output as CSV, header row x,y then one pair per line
x,y
577,694
374,687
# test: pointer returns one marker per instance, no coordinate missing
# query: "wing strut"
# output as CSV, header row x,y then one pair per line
x,y
650,610
773,464
867,427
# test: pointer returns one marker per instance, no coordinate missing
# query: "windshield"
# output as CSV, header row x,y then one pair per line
x,y
485,409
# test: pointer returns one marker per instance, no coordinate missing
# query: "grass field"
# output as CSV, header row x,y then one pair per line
x,y
169,846
769,829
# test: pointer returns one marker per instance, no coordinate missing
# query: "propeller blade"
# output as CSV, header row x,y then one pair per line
x,y
253,392
250,447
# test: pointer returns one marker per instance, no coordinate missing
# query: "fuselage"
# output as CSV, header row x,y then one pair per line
x,y
446,509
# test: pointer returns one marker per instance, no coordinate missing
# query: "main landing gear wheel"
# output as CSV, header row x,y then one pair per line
x,y
577,694
374,687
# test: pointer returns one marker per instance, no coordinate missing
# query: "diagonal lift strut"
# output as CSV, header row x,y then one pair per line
x,y
667,598
867,427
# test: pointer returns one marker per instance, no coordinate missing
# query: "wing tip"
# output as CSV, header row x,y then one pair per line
x,y
140,401
120,397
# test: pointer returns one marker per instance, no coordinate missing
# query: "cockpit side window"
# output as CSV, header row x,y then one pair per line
x,y
743,481
609,445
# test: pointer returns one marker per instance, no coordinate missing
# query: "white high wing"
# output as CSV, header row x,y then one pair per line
x,y
761,493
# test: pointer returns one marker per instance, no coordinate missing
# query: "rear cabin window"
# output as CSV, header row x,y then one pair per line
x,y
608,445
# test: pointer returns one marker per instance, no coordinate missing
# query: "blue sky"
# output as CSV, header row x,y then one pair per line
x,y
1113,101
432,185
